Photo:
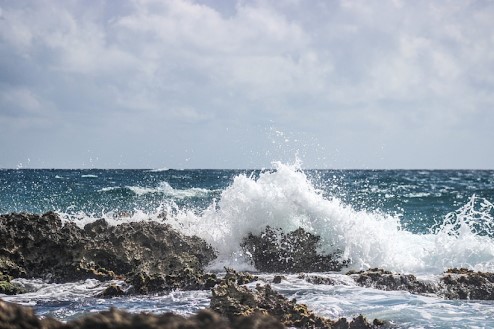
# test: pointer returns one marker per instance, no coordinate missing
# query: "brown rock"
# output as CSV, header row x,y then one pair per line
x,y
385,280
34,246
235,301
467,284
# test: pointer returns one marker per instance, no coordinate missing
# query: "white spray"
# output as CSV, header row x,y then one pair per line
x,y
285,198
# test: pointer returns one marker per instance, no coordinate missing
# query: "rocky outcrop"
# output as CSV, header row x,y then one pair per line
x,y
385,280
13,316
238,277
274,251
142,253
189,279
453,284
467,284
235,301
38,246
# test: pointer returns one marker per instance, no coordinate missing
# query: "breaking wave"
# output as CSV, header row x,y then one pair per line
x,y
285,198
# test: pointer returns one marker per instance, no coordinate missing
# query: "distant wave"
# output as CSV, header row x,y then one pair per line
x,y
159,169
163,188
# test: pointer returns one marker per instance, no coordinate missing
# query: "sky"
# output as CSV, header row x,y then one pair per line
x,y
369,84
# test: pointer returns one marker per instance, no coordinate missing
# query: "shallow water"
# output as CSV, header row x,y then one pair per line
x,y
68,301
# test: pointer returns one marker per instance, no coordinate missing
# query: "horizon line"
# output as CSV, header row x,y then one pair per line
x,y
266,168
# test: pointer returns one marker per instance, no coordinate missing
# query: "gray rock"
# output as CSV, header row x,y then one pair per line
x,y
274,251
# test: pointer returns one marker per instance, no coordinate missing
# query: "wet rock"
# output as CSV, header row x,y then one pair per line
x,y
385,280
317,279
112,290
235,301
276,251
466,284
278,278
7,287
144,283
13,316
239,277
359,322
34,246
453,284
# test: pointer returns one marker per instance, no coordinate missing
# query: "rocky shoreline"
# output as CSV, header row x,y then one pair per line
x,y
232,305
151,257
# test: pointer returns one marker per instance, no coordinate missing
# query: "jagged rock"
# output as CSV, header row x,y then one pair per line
x,y
144,283
454,284
234,301
34,246
13,316
385,280
359,322
466,284
316,279
275,251
239,277
38,246
144,246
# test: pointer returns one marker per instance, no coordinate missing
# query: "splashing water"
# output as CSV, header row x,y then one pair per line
x,y
285,198
474,217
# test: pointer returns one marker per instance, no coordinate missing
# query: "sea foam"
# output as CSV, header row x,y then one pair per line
x,y
285,198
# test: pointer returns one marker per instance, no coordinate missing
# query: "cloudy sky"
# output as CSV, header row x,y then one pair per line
x,y
225,84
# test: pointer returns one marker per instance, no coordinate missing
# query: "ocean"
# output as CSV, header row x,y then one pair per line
x,y
408,221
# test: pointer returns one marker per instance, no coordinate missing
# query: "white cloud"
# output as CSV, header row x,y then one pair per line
x,y
329,68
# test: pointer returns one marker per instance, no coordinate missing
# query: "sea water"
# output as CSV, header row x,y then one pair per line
x,y
407,221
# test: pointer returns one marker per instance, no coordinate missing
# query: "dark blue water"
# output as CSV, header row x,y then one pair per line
x,y
419,198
